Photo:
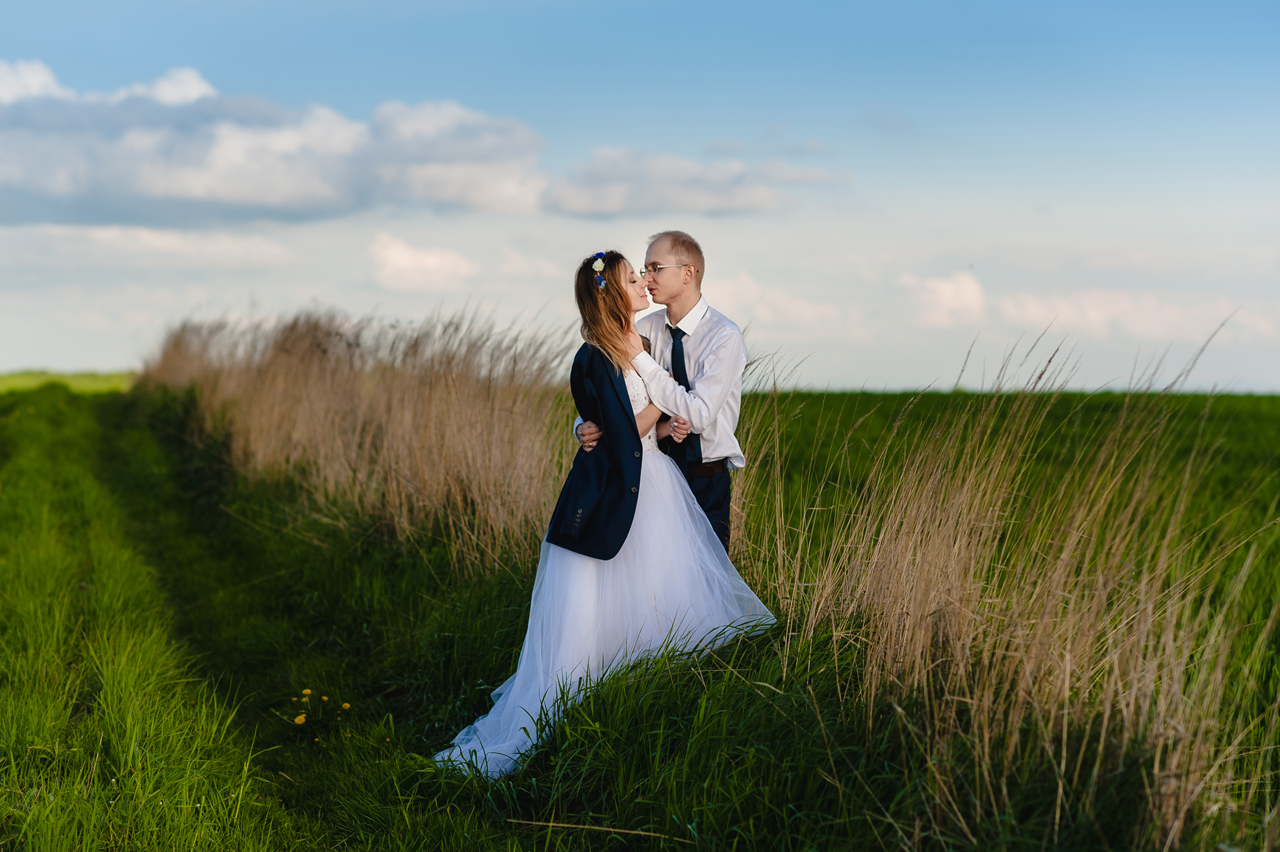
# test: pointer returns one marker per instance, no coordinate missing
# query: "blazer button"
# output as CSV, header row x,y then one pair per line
x,y
637,454
635,490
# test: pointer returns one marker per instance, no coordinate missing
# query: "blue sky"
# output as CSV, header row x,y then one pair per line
x,y
877,184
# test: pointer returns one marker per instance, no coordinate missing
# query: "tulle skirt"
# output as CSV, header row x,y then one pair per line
x,y
670,586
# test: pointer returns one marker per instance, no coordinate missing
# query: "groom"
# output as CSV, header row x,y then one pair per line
x,y
695,372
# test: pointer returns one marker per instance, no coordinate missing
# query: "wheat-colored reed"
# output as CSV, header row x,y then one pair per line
x,y
1021,612
446,424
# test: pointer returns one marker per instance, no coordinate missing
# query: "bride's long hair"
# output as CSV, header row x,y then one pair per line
x,y
606,311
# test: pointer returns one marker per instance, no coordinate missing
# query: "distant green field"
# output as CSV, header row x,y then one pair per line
x,y
78,382
1242,431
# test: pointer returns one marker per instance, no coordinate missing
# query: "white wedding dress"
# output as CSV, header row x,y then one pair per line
x,y
670,586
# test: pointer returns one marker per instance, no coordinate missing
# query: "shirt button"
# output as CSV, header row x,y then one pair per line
x,y
635,490
637,454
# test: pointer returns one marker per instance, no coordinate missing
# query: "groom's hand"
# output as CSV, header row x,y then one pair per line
x,y
588,435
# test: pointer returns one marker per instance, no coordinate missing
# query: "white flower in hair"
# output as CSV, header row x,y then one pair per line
x,y
598,266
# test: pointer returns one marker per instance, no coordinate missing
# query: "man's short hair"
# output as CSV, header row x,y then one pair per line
x,y
686,250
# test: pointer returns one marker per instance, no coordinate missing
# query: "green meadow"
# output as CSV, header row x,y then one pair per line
x,y
191,658
78,382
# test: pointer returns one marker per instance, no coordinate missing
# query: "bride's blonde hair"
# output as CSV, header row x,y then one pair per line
x,y
605,306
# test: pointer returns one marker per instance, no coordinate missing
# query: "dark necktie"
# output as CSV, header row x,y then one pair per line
x,y
692,444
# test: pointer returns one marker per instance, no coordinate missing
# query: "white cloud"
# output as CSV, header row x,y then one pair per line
x,y
1208,257
178,86
24,80
151,245
1157,317
446,130
517,264
175,147
41,253
502,187
618,181
399,266
302,162
445,153
744,300
946,302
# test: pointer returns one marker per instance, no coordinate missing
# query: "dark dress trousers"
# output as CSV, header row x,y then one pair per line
x,y
598,501
712,490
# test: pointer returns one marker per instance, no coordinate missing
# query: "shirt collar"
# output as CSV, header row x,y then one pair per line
x,y
691,320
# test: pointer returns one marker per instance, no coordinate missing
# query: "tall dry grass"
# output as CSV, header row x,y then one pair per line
x,y
1027,620
1065,619
448,424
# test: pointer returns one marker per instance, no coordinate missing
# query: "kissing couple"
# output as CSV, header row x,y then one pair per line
x,y
636,559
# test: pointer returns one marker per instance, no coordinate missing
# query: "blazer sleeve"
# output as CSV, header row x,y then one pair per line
x,y
587,479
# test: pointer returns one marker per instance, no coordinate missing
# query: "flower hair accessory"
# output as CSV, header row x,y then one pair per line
x,y
598,266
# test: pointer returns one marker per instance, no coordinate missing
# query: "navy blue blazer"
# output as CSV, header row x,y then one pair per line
x,y
598,501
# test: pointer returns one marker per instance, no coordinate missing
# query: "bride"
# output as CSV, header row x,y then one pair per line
x,y
630,564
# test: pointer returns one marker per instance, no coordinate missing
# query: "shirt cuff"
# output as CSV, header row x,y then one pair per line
x,y
645,365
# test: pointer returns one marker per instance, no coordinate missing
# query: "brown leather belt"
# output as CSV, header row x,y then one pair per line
x,y
709,468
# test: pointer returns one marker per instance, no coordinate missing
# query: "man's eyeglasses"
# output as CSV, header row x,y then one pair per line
x,y
652,271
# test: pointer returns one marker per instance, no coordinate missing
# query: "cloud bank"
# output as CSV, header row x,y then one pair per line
x,y
400,266
1143,316
960,301
618,181
946,302
175,149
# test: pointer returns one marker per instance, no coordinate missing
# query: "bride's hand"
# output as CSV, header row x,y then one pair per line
x,y
634,344
679,429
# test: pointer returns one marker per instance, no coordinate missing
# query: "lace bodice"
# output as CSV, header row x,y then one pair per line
x,y
639,400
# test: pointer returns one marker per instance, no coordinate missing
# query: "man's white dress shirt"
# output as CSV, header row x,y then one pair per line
x,y
715,356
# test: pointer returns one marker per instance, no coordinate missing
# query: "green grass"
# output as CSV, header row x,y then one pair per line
x,y
108,738
1245,430
833,436
161,620
78,382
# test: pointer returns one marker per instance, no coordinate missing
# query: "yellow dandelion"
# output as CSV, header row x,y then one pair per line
x,y
293,699
302,717
388,739
306,692
306,700
346,706
324,698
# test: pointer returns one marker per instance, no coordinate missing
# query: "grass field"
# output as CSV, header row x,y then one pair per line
x,y
191,657
78,382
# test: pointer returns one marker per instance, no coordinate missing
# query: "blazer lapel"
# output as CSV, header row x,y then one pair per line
x,y
620,385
